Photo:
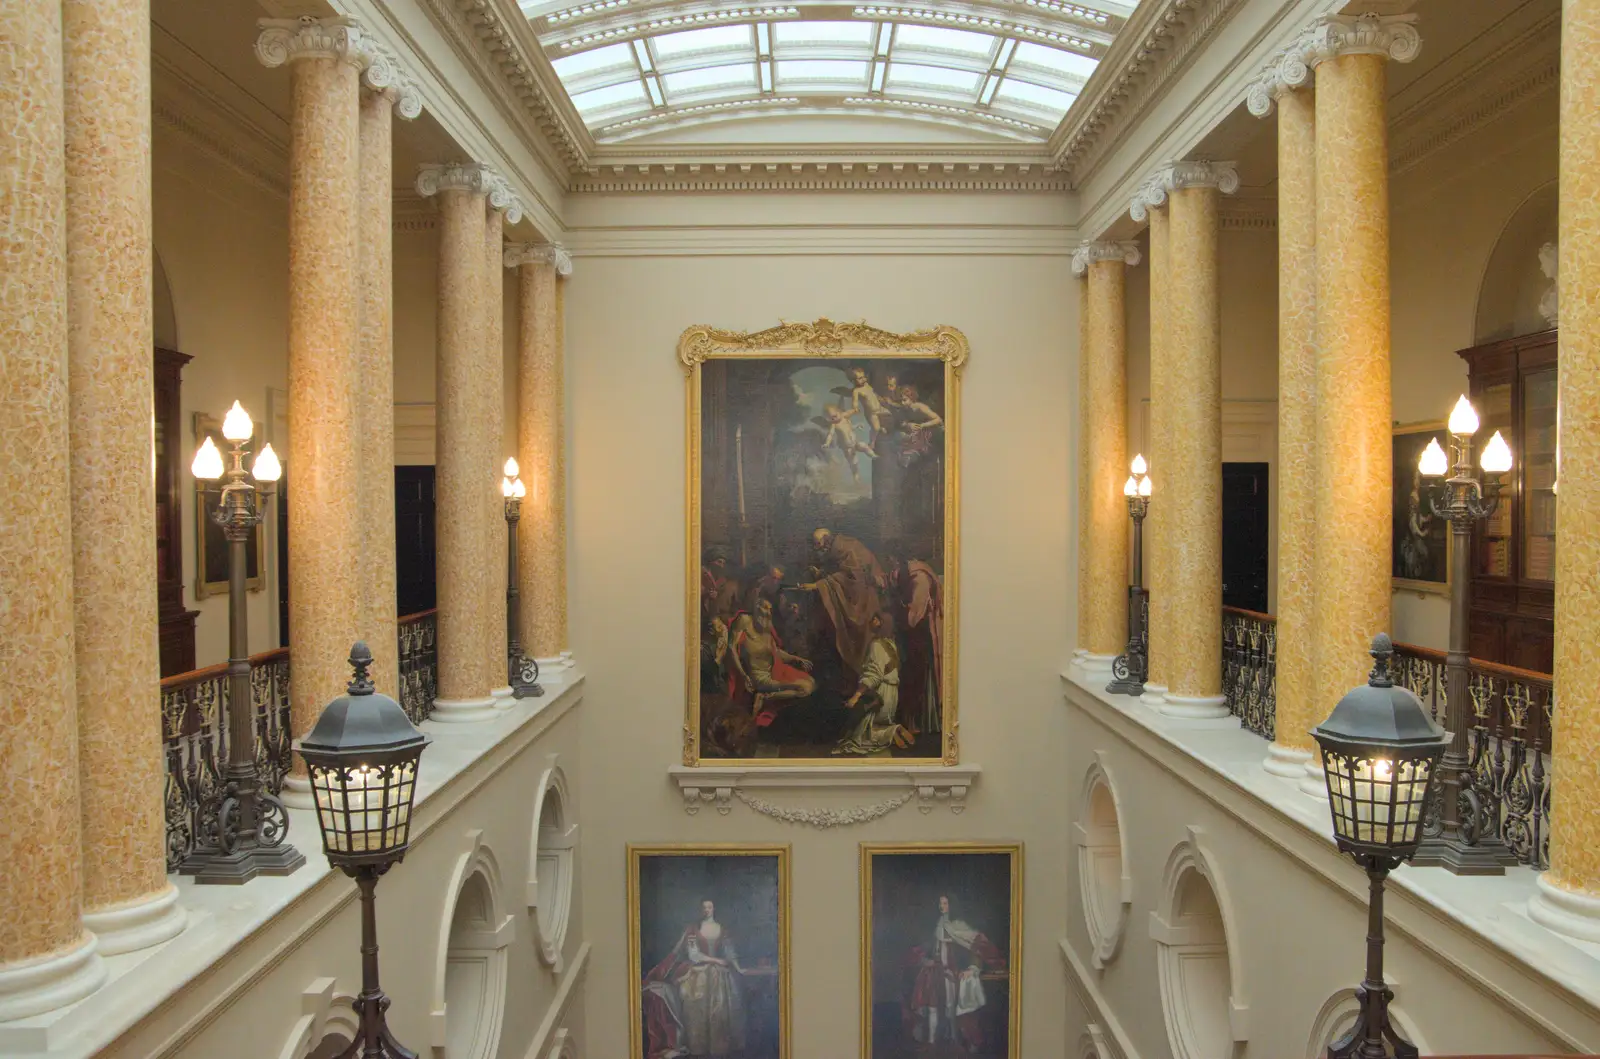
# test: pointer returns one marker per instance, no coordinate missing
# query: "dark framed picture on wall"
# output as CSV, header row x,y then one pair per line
x,y
211,547
708,951
1421,539
941,950
823,499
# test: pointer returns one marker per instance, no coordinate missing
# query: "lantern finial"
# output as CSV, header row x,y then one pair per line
x,y
1382,651
361,659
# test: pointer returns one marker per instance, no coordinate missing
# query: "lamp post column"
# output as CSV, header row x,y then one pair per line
x,y
1354,435
1106,445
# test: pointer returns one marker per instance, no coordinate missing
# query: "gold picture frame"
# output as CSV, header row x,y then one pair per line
x,y
778,970
210,546
1409,439
925,885
841,347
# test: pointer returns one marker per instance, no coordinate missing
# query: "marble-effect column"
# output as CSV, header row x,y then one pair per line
x,y
542,544
127,901
1085,410
467,469
503,209
1191,489
1286,86
1568,895
47,959
326,563
1106,445
1149,203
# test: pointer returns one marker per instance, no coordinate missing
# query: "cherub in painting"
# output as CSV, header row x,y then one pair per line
x,y
841,433
865,402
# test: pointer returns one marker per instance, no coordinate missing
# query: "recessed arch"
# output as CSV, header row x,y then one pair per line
x,y
1096,1043
1103,878
550,873
1338,1014
327,1021
1202,996
164,311
1515,282
469,988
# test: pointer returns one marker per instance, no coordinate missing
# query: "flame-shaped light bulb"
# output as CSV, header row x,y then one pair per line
x,y
518,490
1139,466
1496,457
511,467
236,425
207,461
1144,486
1463,418
505,488
1433,463
267,468
1130,487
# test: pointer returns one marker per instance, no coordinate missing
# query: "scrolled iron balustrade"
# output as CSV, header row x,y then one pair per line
x,y
1250,669
194,737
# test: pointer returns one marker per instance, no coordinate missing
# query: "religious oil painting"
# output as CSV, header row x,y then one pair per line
x,y
823,496
708,933
1421,539
941,951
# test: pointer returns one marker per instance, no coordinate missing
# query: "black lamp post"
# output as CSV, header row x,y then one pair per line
x,y
1465,837
522,671
243,832
1380,756
362,756
1132,666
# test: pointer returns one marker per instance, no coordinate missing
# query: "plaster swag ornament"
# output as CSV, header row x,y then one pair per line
x,y
539,254
825,818
283,40
1088,253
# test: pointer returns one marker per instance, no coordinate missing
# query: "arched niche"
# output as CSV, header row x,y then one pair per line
x,y
1095,1043
1103,878
470,978
164,314
550,875
1516,281
562,1045
1201,997
1338,1014
326,1026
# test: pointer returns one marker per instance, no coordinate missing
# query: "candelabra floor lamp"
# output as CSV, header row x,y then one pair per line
x,y
1132,666
362,756
1462,830
522,670
1380,756
244,829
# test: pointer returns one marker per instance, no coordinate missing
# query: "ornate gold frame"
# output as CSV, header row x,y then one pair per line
x,y
1406,584
707,849
207,425
1013,954
824,338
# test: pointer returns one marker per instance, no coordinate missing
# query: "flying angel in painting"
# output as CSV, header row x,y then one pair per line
x,y
840,432
864,402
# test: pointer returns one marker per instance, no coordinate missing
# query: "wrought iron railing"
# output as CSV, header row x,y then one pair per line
x,y
194,726
1250,669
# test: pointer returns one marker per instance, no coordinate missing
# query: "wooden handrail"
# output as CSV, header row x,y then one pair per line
x,y
1256,614
412,619
261,658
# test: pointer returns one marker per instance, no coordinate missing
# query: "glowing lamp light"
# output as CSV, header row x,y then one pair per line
x,y
1139,466
1463,418
267,468
1496,455
237,425
518,490
1144,486
1433,462
505,487
1130,487
207,461
512,470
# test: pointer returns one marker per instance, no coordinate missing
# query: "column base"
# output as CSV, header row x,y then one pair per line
x,y
296,793
1570,914
1195,707
1286,761
1154,695
1313,781
503,699
150,922
33,987
463,711
215,868
553,670
1096,666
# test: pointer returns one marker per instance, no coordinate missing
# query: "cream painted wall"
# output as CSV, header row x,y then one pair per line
x,y
624,316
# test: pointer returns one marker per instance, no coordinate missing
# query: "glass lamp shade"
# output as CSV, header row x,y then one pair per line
x,y
1433,463
266,468
1139,467
1463,418
1496,457
207,463
1130,488
1144,486
518,490
511,468
362,757
237,424
1380,752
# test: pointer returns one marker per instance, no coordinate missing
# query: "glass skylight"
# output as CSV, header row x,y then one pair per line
x,y
683,42
824,33
960,41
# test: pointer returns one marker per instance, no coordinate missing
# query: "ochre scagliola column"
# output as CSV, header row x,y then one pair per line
x,y
388,91
542,545
326,563
1106,443
1286,84
1354,411
467,463
1568,895
1085,405
1149,203
47,959
127,901
1190,491
504,209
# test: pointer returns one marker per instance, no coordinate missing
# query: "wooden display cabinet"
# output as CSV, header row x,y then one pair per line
x,y
177,622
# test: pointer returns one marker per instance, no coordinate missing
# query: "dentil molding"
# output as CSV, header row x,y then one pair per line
x,y
931,785
1103,250
539,254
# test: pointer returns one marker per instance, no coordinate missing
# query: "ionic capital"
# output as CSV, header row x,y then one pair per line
x,y
553,254
385,75
502,198
1151,195
1285,73
1391,36
472,177
283,40
1103,250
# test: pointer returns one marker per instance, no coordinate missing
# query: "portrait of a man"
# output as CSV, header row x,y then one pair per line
x,y
709,951
823,612
943,935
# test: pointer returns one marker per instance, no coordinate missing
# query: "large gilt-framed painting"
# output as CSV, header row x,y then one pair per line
x,y
1420,538
708,950
941,950
823,497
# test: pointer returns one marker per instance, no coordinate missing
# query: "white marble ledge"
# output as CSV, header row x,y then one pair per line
x,y
221,918
1494,908
931,785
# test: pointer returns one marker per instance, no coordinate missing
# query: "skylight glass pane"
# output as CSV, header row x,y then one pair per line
x,y
823,33
1054,59
849,72
740,75
569,67
670,44
908,75
1014,91
614,95
956,40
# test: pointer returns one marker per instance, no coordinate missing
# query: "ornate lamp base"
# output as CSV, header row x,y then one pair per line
x,y
242,865
1489,856
1129,673
525,678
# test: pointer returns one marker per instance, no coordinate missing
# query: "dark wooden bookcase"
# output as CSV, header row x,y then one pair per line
x,y
177,623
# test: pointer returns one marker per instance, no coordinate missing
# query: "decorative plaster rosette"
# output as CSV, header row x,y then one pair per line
x,y
1087,253
539,254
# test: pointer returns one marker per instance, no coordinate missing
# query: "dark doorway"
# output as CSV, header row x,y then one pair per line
x,y
414,538
1244,536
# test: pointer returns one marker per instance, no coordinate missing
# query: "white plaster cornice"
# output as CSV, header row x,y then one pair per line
x,y
873,174
539,254
1103,250
386,75
1391,36
283,40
